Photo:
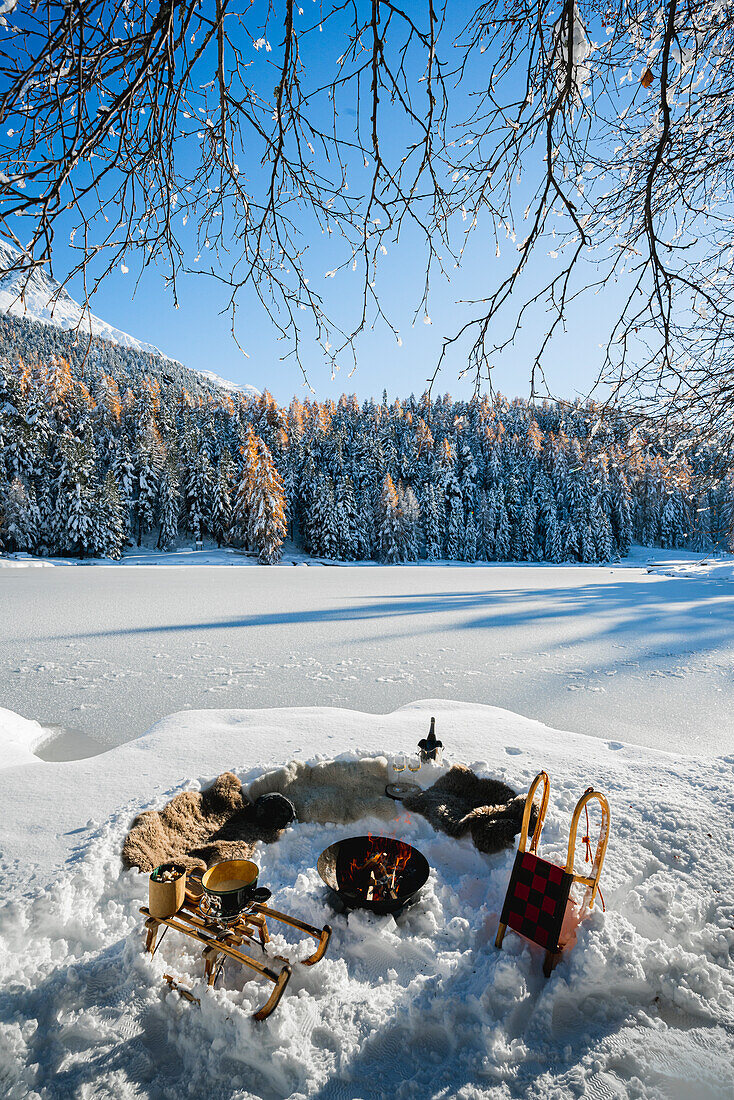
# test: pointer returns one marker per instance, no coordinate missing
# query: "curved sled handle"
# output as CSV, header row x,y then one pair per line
x,y
542,777
592,880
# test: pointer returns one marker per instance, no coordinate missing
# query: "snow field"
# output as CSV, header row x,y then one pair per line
x,y
610,651
419,1006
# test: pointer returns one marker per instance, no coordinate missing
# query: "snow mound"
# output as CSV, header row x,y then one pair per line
x,y
18,738
23,561
710,569
424,1005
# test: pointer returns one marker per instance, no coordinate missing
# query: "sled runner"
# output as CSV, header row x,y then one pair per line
x,y
538,904
220,943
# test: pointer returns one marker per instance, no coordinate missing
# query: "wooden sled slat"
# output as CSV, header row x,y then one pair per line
x,y
219,944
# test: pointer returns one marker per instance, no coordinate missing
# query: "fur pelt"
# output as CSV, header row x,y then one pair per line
x,y
461,802
196,828
336,791
199,829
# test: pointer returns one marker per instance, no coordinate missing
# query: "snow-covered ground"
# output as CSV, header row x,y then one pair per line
x,y
613,651
424,1006
712,568
20,739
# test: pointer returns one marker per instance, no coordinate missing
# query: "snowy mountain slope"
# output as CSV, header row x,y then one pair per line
x,y
43,299
225,384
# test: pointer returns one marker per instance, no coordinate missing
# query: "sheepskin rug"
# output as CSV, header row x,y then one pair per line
x,y
196,828
200,828
336,790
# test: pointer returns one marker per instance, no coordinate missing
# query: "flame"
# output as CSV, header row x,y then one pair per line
x,y
379,868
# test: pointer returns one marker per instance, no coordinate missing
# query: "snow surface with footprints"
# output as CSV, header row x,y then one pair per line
x,y
106,650
422,1005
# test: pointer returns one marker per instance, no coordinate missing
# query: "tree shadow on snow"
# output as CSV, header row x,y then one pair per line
x,y
682,616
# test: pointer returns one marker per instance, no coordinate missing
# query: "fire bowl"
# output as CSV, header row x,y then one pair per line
x,y
377,873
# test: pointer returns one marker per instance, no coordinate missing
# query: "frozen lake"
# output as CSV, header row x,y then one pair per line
x,y
104,652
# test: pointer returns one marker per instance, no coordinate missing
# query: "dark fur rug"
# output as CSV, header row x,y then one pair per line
x,y
196,828
460,802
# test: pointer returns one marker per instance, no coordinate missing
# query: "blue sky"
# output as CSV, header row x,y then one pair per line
x,y
199,332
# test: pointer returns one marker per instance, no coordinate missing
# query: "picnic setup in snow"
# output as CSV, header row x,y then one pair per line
x,y
204,884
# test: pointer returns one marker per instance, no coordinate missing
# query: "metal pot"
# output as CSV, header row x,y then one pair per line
x,y
230,887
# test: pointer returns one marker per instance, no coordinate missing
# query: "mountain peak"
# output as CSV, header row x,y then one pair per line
x,y
41,298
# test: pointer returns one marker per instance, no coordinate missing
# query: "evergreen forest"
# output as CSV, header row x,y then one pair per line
x,y
95,459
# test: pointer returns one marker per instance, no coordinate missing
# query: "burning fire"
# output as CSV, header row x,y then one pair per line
x,y
376,874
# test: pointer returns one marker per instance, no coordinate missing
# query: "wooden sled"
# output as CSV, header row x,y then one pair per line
x,y
221,943
538,904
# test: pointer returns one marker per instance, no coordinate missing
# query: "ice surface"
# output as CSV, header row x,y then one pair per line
x,y
615,651
419,1007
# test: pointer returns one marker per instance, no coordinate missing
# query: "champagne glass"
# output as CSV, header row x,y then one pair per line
x,y
414,763
399,762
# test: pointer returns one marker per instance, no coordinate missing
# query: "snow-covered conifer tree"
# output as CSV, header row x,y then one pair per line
x,y
346,519
552,544
701,540
147,463
322,519
326,521
109,528
673,526
221,499
244,490
587,544
124,471
728,514
21,516
526,532
468,551
651,502
487,525
410,516
454,526
364,531
169,506
601,530
74,517
199,480
621,510
266,509
480,520
502,533
468,478
388,523
432,522
570,541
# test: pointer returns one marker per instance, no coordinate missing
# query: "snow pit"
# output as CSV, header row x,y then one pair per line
x,y
419,1006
